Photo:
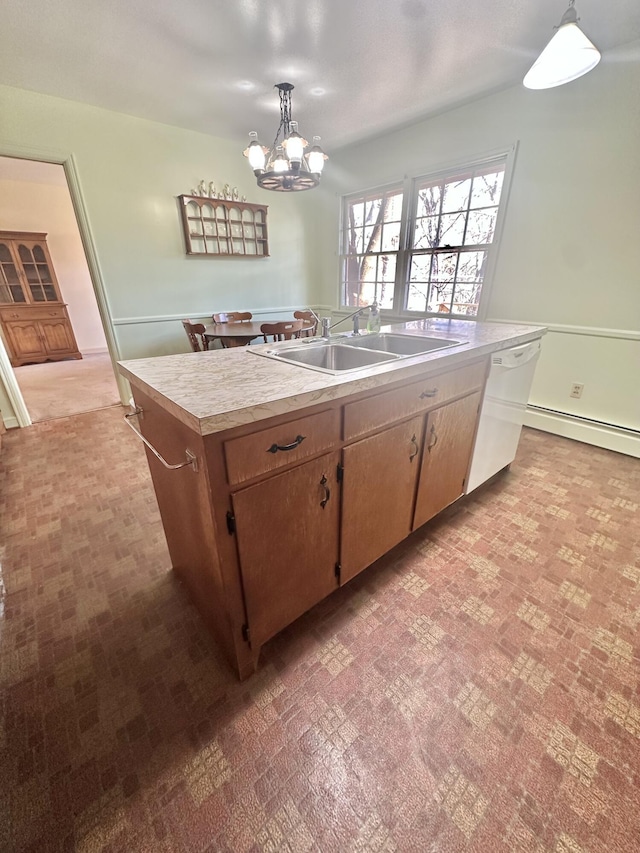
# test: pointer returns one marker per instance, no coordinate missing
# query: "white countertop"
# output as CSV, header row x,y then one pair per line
x,y
216,390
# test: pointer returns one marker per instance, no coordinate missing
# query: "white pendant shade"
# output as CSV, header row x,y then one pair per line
x,y
316,161
280,164
255,152
567,56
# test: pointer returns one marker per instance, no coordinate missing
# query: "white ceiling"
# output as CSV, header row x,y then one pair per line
x,y
359,66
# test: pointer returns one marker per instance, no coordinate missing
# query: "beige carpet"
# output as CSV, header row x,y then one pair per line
x,y
57,389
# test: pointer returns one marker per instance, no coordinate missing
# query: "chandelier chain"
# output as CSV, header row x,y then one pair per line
x,y
285,114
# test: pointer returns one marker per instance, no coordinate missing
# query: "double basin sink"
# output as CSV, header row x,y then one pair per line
x,y
354,353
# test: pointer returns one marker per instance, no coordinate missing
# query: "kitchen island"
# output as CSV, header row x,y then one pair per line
x,y
284,483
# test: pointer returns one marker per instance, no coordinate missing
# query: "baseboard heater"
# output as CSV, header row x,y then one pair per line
x,y
582,420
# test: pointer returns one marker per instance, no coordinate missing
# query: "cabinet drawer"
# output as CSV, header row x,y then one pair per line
x,y
390,406
270,449
29,312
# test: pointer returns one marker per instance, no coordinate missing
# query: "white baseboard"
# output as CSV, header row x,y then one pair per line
x,y
94,350
10,422
589,432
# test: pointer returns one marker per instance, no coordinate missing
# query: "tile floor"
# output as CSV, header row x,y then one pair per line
x,y
477,690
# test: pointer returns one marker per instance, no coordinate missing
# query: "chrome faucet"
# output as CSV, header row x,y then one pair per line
x,y
313,314
327,326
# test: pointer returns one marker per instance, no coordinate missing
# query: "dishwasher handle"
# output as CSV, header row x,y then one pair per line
x,y
517,356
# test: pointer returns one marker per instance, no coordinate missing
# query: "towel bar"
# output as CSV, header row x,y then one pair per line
x,y
191,458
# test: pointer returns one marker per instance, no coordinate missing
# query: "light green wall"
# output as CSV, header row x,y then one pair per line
x,y
130,172
570,253
569,256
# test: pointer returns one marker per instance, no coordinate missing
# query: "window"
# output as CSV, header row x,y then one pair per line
x,y
447,224
371,241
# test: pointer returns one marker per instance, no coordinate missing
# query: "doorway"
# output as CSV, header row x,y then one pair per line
x,y
36,202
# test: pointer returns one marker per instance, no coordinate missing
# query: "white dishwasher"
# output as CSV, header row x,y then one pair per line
x,y
502,413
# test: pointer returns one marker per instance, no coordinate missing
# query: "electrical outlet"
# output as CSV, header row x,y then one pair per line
x,y
576,390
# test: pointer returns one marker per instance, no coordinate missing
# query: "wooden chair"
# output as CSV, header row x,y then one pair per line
x,y
195,333
308,331
232,317
282,331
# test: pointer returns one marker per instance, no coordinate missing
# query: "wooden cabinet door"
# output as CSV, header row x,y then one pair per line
x,y
287,530
25,339
57,336
378,492
447,452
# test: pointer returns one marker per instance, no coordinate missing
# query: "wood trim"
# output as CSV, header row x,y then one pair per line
x,y
23,235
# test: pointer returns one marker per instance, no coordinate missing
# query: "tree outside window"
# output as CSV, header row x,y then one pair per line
x,y
371,240
450,232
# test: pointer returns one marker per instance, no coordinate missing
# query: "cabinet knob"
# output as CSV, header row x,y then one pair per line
x,y
413,455
430,393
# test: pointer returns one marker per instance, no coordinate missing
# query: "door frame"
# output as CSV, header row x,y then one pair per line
x,y
68,162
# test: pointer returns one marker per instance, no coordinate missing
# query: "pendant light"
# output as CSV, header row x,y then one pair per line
x,y
568,55
285,167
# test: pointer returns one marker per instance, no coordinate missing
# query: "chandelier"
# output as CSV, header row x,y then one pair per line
x,y
285,167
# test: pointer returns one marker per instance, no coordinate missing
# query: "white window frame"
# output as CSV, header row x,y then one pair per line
x,y
409,185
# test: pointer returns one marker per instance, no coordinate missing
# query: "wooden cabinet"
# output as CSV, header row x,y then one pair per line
x,y
287,530
34,320
280,513
379,482
450,431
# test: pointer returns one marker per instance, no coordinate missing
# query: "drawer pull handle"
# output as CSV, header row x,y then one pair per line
x,y
327,492
191,458
412,456
433,443
431,393
276,447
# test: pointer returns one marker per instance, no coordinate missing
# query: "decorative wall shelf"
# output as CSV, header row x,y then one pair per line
x,y
220,228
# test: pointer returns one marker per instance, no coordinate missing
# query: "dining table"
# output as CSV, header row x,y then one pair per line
x,y
241,333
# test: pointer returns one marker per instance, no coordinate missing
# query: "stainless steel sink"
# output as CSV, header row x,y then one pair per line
x,y
331,358
400,345
352,353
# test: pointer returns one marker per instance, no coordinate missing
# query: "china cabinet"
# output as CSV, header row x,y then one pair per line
x,y
33,317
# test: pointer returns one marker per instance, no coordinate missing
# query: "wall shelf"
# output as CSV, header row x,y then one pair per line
x,y
223,228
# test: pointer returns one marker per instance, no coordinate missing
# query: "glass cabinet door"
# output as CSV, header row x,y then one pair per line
x,y
10,286
37,272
